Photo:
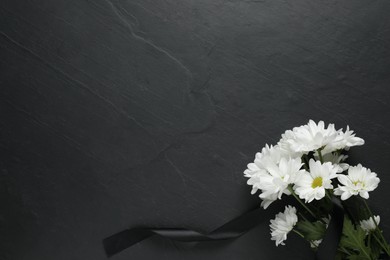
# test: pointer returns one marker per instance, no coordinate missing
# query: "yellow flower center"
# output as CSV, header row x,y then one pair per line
x,y
356,183
317,182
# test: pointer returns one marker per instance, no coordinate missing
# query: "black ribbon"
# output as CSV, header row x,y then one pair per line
x,y
328,248
231,230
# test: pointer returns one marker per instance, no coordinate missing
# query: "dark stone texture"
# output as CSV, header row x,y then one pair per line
x,y
120,113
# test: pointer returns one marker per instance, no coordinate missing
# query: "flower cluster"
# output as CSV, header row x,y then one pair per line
x,y
283,224
278,168
309,163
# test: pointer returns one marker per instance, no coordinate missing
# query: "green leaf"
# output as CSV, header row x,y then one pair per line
x,y
354,239
376,248
357,257
311,230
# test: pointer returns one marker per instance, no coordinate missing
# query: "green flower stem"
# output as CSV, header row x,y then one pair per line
x,y
328,195
300,214
320,155
299,233
365,252
381,239
369,240
342,249
301,202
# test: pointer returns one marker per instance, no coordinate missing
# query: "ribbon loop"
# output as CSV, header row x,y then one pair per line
x,y
231,230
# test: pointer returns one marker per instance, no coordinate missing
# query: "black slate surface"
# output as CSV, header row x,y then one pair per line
x,y
121,113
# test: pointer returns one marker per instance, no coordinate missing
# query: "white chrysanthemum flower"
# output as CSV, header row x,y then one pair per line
x,y
283,224
271,172
336,159
265,202
312,185
257,168
285,144
274,183
253,172
369,224
359,181
347,139
310,137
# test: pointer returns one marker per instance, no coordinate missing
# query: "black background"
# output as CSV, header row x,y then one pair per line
x,y
121,113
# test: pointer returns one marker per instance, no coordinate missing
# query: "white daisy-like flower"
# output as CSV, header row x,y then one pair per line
x,y
275,181
368,225
312,185
271,172
359,181
285,144
310,137
347,139
257,168
265,202
253,172
283,224
336,159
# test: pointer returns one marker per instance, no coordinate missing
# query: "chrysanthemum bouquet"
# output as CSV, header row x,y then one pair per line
x,y
309,163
